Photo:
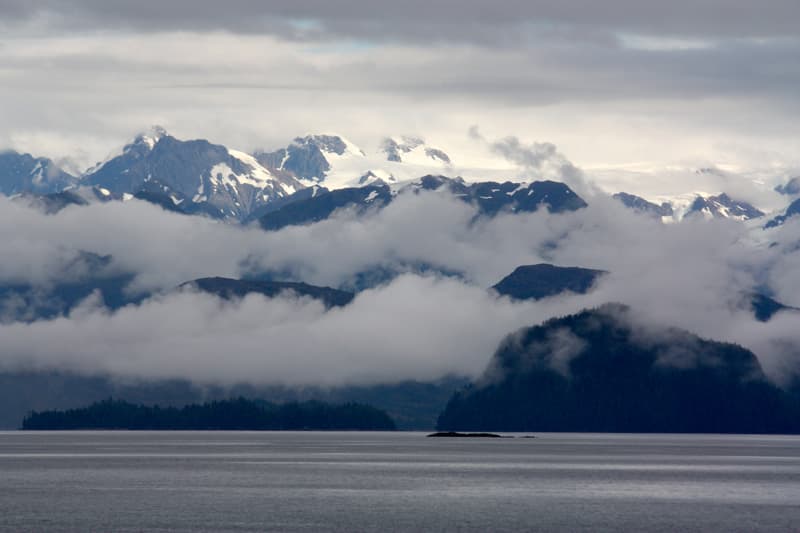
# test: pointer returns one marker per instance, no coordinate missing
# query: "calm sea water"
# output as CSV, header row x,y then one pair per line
x,y
243,481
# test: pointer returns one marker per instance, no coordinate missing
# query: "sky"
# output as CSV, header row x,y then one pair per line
x,y
621,84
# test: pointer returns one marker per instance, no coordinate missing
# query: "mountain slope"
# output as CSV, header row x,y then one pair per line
x,y
197,175
594,371
311,159
323,205
336,163
81,277
791,211
23,173
493,197
490,198
723,206
53,202
790,188
637,203
412,150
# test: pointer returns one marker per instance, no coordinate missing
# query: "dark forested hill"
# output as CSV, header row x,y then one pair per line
x,y
595,371
237,288
540,281
238,414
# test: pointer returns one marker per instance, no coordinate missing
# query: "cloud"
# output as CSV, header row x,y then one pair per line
x,y
556,351
164,249
537,160
689,275
395,20
414,328
784,268
255,74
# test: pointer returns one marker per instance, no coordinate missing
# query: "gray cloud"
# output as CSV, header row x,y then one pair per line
x,y
689,275
449,19
538,160
621,83
414,328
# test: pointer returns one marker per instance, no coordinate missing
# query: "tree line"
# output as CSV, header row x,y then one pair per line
x,y
233,414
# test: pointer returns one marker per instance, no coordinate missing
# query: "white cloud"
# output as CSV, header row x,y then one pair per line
x,y
81,94
415,328
688,275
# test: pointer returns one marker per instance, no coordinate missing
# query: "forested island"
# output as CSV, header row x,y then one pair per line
x,y
597,371
234,414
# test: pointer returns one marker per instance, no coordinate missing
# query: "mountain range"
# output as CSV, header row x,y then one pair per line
x,y
490,198
703,205
197,177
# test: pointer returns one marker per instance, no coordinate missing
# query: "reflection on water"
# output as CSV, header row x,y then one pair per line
x,y
243,481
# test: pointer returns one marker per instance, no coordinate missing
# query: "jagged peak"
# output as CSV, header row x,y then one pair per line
x,y
402,143
146,139
722,205
330,143
151,136
395,148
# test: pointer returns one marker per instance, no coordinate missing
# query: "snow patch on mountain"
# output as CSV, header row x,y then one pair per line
x,y
723,206
335,162
413,150
151,137
141,144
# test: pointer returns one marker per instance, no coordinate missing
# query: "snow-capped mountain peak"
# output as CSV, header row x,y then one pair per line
x,y
696,204
336,163
412,150
723,206
196,174
150,137
332,145
141,145
311,158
